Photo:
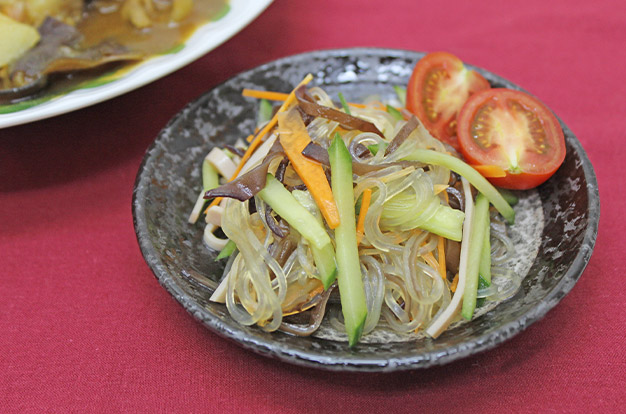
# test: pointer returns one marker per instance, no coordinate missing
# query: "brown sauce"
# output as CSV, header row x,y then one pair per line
x,y
159,38
96,27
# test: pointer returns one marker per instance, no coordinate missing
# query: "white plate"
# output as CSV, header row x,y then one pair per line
x,y
204,39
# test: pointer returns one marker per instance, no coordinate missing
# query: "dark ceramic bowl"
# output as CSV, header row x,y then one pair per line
x,y
169,180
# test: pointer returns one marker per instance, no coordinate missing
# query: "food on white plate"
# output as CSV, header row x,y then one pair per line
x,y
54,44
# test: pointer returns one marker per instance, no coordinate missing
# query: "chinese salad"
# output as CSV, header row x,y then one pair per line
x,y
364,204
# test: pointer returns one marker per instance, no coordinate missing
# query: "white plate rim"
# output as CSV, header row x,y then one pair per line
x,y
206,38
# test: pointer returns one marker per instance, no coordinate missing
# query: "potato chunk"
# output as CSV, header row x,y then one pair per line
x,y
16,37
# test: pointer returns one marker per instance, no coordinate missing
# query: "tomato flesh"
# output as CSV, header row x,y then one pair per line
x,y
438,88
514,131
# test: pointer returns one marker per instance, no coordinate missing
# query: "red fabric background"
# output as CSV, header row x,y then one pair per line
x,y
85,327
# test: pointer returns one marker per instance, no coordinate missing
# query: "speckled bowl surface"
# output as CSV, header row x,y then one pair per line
x,y
561,218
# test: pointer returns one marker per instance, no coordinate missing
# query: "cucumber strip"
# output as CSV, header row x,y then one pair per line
x,y
375,147
325,264
476,239
482,284
395,113
446,222
509,196
484,267
401,93
344,103
210,178
473,176
227,250
349,275
286,206
325,258
265,111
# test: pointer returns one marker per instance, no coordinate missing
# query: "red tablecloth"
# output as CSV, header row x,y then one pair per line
x,y
85,327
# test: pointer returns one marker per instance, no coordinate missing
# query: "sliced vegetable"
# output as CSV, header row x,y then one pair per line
x,y
265,112
294,138
365,205
271,124
438,88
401,93
484,268
399,212
279,96
510,198
454,283
227,250
325,263
344,103
395,113
210,179
441,252
446,222
445,318
324,258
482,284
490,171
476,241
375,147
270,96
349,275
286,206
514,131
438,188
258,139
463,169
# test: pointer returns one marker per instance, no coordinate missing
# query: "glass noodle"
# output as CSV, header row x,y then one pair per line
x,y
270,279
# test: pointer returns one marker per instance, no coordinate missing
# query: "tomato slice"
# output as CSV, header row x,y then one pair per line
x,y
514,131
438,88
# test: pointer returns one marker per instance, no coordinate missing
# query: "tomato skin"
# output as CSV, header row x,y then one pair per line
x,y
515,131
439,86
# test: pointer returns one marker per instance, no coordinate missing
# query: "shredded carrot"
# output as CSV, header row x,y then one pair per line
x,y
250,138
357,105
294,138
490,171
279,96
259,136
430,260
365,205
380,105
439,188
215,202
454,284
270,96
441,252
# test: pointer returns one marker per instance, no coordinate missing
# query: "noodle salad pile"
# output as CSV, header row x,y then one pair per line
x,y
418,243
